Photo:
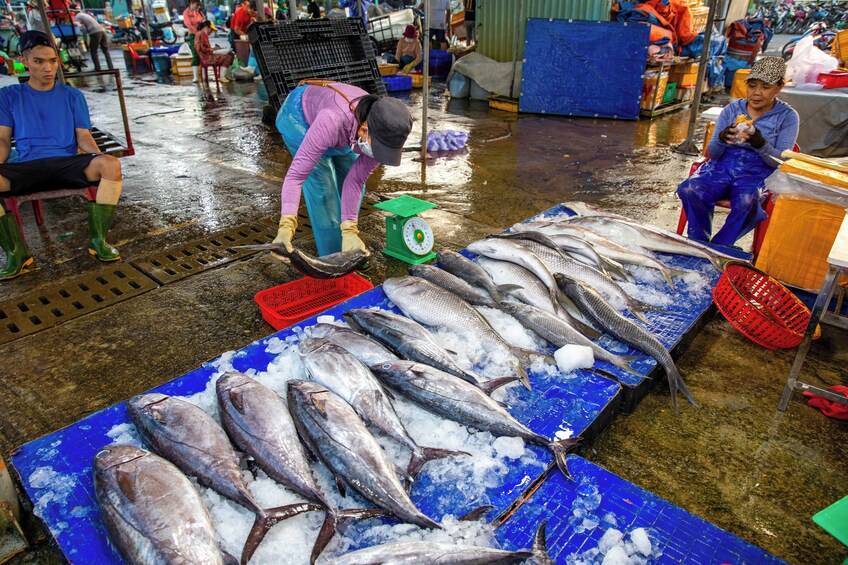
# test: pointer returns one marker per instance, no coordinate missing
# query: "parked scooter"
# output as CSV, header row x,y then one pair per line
x,y
158,32
822,38
126,32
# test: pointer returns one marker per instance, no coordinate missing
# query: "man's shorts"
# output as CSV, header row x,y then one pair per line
x,y
52,173
438,35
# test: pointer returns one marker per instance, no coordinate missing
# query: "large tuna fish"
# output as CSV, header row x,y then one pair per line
x,y
433,306
429,553
334,433
189,438
347,376
456,400
153,512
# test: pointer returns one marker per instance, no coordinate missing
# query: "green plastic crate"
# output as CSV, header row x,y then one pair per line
x,y
834,520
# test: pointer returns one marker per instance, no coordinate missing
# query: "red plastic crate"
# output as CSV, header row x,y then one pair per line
x,y
834,79
292,302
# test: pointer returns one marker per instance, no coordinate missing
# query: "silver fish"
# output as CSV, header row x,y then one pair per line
x,y
535,293
407,338
189,438
326,267
475,296
456,400
627,332
435,307
588,276
464,268
347,376
362,347
335,434
429,553
153,512
560,333
259,423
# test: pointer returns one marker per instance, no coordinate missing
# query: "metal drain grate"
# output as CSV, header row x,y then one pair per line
x,y
203,254
58,303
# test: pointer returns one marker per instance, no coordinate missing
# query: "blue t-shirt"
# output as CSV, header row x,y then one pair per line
x,y
43,122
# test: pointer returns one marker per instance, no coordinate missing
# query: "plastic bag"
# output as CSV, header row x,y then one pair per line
x,y
789,183
807,63
448,140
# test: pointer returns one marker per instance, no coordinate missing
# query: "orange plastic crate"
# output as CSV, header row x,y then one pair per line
x,y
762,309
292,302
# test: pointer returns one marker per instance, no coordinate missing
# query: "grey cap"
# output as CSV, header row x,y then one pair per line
x,y
389,123
770,70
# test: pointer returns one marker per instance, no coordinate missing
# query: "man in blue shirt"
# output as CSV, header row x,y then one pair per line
x,y
55,151
750,134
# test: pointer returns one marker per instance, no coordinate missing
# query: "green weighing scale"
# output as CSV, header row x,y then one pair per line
x,y
408,237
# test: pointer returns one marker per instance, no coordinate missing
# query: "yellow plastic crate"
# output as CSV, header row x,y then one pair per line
x,y
503,103
181,65
417,79
388,69
699,18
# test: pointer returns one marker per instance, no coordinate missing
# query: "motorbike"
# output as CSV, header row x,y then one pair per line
x,y
158,32
126,32
822,38
782,18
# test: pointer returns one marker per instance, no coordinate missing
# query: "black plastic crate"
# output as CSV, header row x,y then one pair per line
x,y
337,50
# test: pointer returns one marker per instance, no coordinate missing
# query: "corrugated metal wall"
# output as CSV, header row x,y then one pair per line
x,y
498,21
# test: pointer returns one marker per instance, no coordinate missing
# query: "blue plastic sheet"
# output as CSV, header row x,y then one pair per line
x,y
676,535
576,68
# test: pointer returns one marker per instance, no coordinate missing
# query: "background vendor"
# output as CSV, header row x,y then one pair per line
x,y
408,54
741,157
192,16
338,134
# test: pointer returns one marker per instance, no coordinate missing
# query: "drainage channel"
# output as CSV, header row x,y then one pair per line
x,y
58,303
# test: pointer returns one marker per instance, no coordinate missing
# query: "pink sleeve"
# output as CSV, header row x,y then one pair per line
x,y
354,184
320,136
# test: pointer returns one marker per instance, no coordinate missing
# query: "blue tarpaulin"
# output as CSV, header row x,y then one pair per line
x,y
574,68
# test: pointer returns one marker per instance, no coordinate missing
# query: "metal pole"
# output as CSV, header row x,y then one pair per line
x,y
426,94
260,10
60,75
292,9
144,15
518,29
689,147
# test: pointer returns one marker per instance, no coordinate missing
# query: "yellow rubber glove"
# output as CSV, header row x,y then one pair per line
x,y
284,235
350,236
409,67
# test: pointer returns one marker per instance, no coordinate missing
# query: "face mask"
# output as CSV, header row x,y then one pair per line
x,y
365,147
408,39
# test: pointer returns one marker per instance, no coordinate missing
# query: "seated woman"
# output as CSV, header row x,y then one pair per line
x,y
408,54
207,55
748,136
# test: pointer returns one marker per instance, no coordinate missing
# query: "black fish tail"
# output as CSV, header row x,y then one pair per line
x,y
267,520
501,289
491,386
426,454
675,383
560,450
331,523
540,546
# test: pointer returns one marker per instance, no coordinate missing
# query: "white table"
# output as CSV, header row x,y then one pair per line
x,y
837,264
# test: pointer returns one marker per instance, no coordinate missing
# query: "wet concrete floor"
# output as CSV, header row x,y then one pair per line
x,y
212,166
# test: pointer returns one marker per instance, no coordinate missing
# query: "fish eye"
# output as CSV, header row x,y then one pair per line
x,y
102,453
387,366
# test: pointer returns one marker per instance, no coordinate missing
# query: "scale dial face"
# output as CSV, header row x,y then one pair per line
x,y
417,236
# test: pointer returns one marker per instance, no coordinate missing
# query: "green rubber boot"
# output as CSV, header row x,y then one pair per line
x,y
99,221
18,257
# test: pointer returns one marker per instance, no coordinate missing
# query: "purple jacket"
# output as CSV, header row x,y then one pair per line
x,y
332,125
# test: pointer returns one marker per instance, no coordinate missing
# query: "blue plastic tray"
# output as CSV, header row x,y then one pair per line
x,y
680,537
69,508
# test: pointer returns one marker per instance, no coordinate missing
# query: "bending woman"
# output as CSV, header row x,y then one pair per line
x,y
741,157
338,134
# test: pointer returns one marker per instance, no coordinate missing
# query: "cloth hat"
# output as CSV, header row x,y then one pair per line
x,y
770,70
389,123
410,31
32,38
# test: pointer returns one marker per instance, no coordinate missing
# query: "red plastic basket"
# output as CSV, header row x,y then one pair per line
x,y
762,309
292,302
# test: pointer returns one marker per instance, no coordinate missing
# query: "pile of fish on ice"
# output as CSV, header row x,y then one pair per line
x,y
557,278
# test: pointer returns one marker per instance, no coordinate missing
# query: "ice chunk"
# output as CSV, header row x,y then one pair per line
x,y
509,447
616,556
326,319
609,540
640,539
570,357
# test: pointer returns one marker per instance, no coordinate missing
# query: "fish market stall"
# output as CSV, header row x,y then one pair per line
x,y
497,469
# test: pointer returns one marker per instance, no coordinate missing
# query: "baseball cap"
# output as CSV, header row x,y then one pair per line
x,y
389,123
32,38
770,70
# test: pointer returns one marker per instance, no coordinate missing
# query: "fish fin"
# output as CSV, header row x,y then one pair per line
x,y
237,398
675,383
540,546
362,513
639,314
426,454
522,375
586,329
507,289
267,520
491,386
503,405
126,482
667,273
560,450
325,534
404,476
341,487
476,513
228,559
320,404
452,352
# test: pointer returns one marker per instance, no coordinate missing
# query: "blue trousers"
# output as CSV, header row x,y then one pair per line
x,y
739,175
323,188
